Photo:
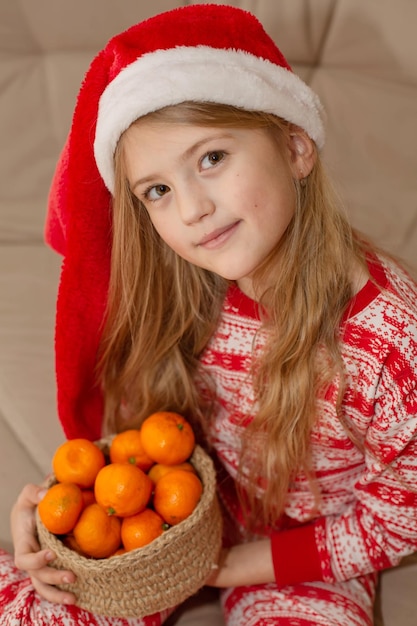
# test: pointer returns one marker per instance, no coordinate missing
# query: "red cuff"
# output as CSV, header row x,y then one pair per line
x,y
295,555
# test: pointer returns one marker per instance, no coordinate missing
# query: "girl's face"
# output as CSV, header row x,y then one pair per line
x,y
220,198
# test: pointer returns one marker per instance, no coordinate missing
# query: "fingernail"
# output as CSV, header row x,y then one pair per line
x,y
49,556
66,579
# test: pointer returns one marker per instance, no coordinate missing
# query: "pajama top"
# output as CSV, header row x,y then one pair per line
x,y
367,516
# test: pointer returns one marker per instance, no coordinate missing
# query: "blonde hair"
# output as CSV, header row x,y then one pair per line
x,y
162,311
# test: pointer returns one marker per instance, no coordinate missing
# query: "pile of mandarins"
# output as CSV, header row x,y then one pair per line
x,y
102,506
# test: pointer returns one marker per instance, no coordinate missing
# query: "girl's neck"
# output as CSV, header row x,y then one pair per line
x,y
245,285
358,276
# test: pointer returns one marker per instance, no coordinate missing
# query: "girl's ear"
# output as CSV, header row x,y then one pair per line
x,y
303,153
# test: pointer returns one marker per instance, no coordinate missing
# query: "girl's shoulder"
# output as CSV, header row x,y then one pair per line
x,y
400,283
385,309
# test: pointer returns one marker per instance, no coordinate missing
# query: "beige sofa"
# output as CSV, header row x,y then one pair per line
x,y
361,57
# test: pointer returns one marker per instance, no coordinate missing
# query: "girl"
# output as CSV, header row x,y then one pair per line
x,y
237,294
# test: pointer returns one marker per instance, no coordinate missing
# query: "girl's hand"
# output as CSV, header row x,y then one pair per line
x,y
27,553
244,564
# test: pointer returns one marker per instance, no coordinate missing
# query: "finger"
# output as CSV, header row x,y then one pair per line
x,y
36,565
52,576
45,579
53,594
28,559
30,495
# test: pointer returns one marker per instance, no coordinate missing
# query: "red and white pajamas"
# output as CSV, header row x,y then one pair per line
x,y
326,567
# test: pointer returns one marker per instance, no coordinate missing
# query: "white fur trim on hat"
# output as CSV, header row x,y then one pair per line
x,y
201,74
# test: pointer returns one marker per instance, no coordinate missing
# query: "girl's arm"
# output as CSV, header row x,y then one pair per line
x,y
375,530
373,534
244,564
28,556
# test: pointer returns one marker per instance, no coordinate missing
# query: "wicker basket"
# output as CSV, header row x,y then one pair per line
x,y
156,577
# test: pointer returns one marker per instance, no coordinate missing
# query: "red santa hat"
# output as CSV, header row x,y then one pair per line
x,y
204,53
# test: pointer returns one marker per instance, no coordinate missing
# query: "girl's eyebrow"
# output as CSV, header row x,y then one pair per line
x,y
189,152
199,144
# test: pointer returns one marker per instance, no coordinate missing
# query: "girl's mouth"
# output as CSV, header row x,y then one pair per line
x,y
218,236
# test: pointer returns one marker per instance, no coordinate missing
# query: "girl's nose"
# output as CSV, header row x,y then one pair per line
x,y
194,203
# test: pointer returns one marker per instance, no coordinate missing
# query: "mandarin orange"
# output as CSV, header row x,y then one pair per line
x,y
159,469
139,530
167,438
88,497
60,508
176,495
126,447
122,489
70,542
119,552
97,534
78,461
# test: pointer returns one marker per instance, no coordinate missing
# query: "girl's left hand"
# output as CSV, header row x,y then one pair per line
x,y
244,564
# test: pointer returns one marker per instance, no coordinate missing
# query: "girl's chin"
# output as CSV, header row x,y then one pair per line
x,y
236,273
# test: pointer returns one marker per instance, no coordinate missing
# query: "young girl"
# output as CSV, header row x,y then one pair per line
x,y
209,270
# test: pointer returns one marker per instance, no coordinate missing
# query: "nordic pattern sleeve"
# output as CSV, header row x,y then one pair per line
x,y
379,526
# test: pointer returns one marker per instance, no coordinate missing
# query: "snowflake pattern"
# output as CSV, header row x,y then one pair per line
x,y
367,517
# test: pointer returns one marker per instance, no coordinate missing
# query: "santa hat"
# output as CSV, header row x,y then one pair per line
x,y
204,53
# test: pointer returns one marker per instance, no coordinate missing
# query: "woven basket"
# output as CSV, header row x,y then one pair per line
x,y
156,577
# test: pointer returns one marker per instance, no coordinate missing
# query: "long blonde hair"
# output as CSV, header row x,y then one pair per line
x,y
162,311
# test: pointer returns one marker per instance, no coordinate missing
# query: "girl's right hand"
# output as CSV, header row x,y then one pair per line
x,y
27,553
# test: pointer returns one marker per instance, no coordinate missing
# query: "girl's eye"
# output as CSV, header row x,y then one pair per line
x,y
211,159
156,192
